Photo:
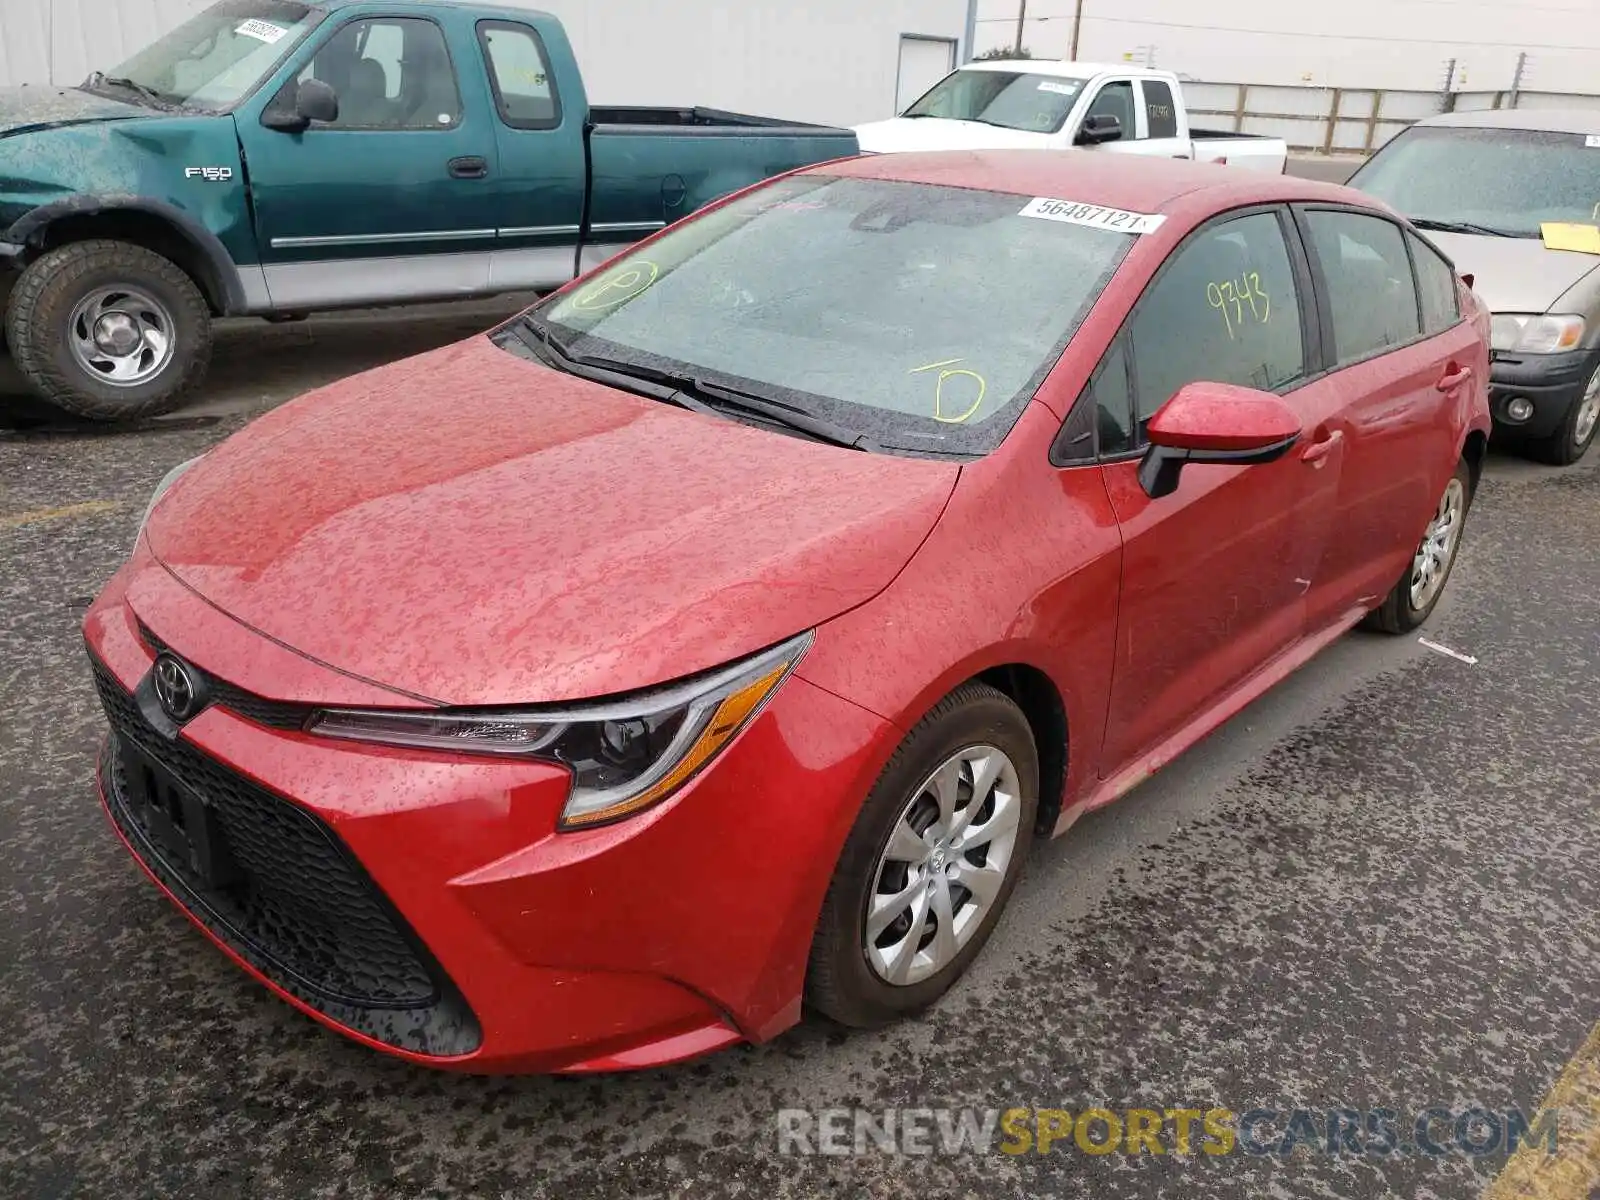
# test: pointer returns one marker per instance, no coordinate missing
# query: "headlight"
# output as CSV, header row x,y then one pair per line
x,y
1530,334
167,480
625,755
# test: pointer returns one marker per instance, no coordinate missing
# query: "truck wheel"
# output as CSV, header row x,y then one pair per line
x,y
1575,434
109,331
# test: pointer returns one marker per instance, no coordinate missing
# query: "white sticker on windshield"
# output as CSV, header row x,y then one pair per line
x,y
1095,215
1592,141
262,31
1060,89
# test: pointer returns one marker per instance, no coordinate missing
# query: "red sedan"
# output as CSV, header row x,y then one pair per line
x,y
714,639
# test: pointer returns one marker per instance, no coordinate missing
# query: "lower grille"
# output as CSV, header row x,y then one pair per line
x,y
276,884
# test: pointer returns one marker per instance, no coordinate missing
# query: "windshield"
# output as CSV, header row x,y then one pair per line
x,y
923,317
1507,180
214,60
1033,103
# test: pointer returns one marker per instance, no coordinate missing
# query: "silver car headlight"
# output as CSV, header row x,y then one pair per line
x,y
625,755
167,480
1531,333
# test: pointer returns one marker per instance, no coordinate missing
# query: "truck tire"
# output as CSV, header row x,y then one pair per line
x,y
109,331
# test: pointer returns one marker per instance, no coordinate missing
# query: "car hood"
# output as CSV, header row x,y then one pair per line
x,y
29,108
472,528
936,133
1515,275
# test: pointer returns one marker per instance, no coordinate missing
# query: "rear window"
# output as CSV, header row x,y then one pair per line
x,y
924,316
1159,109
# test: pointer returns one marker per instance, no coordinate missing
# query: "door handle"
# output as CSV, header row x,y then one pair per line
x,y
471,167
1317,452
1454,378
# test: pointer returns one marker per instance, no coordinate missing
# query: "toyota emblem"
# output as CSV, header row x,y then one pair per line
x,y
175,688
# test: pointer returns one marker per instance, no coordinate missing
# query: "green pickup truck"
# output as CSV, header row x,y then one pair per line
x,y
273,158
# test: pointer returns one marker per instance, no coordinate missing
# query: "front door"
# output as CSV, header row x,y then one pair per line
x,y
1215,575
401,175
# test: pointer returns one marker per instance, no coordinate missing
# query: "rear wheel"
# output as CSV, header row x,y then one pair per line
x,y
930,864
109,331
1576,433
1422,586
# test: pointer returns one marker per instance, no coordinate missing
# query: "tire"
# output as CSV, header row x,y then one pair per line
x,y
155,307
1403,610
1576,433
841,981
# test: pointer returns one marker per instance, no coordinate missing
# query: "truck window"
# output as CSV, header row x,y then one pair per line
x,y
393,73
1370,288
1009,99
1225,309
1436,281
1116,100
524,91
1160,112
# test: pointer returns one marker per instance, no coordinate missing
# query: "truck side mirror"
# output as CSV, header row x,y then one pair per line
x,y
1098,129
313,101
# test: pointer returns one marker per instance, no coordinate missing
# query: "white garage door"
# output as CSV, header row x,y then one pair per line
x,y
923,62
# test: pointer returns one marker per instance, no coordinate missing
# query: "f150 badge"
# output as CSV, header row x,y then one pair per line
x,y
209,174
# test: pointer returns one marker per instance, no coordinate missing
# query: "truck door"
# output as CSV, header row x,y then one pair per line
x,y
1164,136
393,200
1122,99
539,195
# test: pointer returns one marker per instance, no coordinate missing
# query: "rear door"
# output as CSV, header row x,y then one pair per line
x,y
1214,576
1164,134
1399,357
539,192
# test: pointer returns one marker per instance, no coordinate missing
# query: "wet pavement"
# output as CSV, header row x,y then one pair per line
x,y
1376,888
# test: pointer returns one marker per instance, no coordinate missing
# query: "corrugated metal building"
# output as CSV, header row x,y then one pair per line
x,y
837,61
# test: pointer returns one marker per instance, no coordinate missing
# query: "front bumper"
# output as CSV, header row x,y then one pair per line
x,y
1552,383
437,885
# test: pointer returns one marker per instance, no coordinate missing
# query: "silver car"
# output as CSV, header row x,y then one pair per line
x,y
1484,185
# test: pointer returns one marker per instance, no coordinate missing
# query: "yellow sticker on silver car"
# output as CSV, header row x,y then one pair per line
x,y
1096,216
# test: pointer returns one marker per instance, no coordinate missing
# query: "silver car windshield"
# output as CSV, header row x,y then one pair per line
x,y
1506,181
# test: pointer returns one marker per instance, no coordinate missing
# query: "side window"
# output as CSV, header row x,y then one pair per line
x,y
392,73
1436,280
1370,288
1160,112
1114,431
523,89
1116,100
1224,310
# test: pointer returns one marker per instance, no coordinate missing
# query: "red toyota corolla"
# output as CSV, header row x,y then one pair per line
x,y
715,638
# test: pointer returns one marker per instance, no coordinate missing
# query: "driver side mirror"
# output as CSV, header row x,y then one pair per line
x,y
1099,129
1214,423
313,101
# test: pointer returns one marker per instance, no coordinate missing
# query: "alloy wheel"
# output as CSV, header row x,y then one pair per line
x,y
943,866
1431,565
1588,415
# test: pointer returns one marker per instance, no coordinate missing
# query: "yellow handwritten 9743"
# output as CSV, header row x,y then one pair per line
x,y
1241,301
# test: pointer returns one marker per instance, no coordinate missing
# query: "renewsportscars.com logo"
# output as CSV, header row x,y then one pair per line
x,y
1432,1132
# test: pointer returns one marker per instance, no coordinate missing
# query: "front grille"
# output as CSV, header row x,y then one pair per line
x,y
275,714
294,902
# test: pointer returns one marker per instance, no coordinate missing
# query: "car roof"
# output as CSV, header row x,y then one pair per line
x,y
1545,120
1061,68
1123,181
504,6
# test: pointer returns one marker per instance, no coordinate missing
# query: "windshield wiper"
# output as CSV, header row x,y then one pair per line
x,y
1468,227
693,393
155,98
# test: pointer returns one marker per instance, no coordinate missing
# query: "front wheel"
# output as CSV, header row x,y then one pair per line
x,y
109,331
1576,433
1422,586
932,860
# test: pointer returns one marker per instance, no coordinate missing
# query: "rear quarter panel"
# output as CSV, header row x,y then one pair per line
x,y
674,172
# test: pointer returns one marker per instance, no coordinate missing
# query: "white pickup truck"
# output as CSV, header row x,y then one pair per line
x,y
1034,104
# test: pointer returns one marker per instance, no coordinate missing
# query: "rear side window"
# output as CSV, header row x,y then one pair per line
x,y
523,89
1436,282
1370,288
1159,109
1225,310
